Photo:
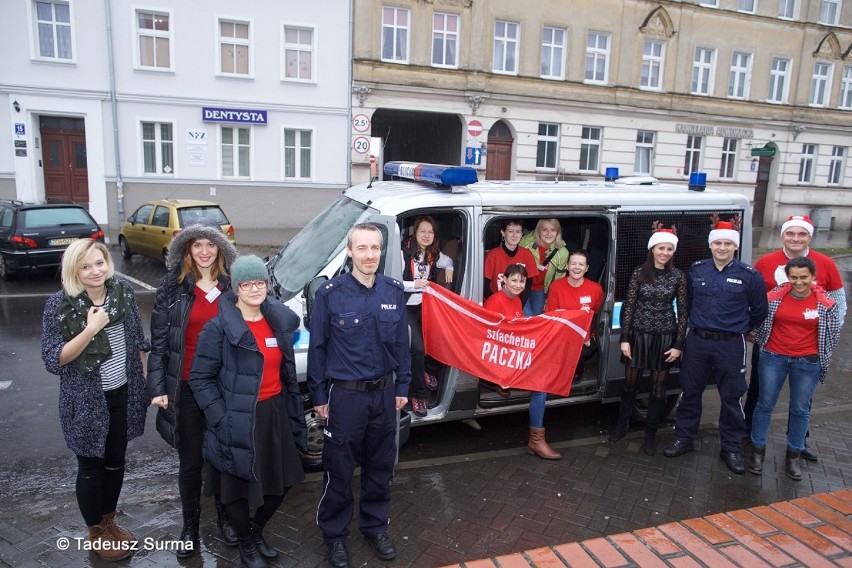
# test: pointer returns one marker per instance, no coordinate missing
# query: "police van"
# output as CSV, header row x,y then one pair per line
x,y
611,220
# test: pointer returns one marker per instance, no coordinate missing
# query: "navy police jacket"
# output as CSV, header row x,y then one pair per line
x,y
731,300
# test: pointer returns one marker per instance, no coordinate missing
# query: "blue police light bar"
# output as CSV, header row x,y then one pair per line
x,y
432,173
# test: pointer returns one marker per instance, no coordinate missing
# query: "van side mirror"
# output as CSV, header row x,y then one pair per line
x,y
310,293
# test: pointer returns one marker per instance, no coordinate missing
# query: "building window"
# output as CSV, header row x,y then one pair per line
x,y
445,40
597,58
644,161
729,158
806,163
297,153
653,53
778,75
709,3
590,147
703,69
548,146
835,167
830,12
234,45
692,159
298,53
740,75
155,39
157,148
787,9
236,151
506,47
846,88
53,21
553,53
395,34
747,6
821,84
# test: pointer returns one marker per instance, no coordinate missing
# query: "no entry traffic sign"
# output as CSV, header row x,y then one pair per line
x,y
474,128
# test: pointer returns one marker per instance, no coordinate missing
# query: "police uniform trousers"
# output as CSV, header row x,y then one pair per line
x,y
360,430
725,359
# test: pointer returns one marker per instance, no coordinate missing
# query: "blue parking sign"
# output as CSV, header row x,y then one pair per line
x,y
472,156
20,129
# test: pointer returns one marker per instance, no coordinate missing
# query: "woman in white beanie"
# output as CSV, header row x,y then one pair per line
x,y
652,334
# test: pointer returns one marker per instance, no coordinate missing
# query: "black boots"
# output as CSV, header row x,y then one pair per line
x,y
189,535
249,555
229,535
793,465
755,463
656,414
263,547
625,409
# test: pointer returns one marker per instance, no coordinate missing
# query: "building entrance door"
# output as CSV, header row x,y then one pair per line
x,y
498,160
760,190
66,173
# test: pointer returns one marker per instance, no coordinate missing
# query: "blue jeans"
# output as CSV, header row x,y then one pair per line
x,y
804,377
537,400
535,303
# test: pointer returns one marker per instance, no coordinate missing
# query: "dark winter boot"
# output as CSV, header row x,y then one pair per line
x,y
249,554
263,547
189,535
625,409
793,464
229,535
656,413
755,462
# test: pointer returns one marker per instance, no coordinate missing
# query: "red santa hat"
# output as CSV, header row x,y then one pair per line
x,y
724,230
662,236
798,221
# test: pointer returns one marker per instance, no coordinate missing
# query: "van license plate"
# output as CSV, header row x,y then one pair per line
x,y
61,242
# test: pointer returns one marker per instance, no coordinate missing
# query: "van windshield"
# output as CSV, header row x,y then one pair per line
x,y
315,245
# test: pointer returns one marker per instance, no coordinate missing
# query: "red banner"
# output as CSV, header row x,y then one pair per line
x,y
538,353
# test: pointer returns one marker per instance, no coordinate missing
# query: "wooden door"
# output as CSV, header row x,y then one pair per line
x,y
65,163
498,161
760,190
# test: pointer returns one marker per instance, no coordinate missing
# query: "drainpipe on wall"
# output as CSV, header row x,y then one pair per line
x,y
119,184
351,86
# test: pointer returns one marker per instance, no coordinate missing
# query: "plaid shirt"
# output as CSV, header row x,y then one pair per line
x,y
828,330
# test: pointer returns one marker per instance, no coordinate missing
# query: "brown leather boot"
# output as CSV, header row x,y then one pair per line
x,y
116,531
105,545
538,446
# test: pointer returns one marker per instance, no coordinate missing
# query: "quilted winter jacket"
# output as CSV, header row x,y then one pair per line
x,y
225,380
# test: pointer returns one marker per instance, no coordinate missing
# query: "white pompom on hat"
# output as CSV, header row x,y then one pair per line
x,y
662,236
724,230
798,221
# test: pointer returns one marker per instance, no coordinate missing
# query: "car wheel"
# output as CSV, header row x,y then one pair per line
x,y
5,273
125,248
640,410
312,458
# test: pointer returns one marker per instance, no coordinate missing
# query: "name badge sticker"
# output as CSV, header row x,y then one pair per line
x,y
212,295
271,342
585,299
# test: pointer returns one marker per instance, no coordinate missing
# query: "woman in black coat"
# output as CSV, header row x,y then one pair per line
x,y
187,298
244,379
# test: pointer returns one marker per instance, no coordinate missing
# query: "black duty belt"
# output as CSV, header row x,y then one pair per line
x,y
714,335
364,385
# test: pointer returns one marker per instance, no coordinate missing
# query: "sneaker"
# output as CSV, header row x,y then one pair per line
x,y
431,382
418,405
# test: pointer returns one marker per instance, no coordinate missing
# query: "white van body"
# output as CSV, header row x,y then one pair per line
x,y
612,220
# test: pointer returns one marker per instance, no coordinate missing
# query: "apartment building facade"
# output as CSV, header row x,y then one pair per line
x,y
113,102
755,93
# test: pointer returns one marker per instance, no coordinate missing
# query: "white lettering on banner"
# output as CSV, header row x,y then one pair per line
x,y
510,339
232,115
505,357
734,281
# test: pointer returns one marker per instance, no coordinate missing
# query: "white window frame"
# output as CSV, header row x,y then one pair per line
x,y
703,71
442,37
836,166
829,12
506,47
301,48
644,152
821,84
396,30
740,76
807,163
159,145
547,147
551,49
788,9
728,165
594,54
846,88
693,155
54,29
139,33
587,143
235,42
652,62
743,6
236,147
298,149
776,75
709,3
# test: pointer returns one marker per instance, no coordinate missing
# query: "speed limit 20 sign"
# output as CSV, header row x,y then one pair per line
x,y
361,144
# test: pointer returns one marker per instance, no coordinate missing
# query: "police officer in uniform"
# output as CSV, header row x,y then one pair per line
x,y
727,300
359,340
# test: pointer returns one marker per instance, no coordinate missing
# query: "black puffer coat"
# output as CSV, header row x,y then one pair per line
x,y
225,379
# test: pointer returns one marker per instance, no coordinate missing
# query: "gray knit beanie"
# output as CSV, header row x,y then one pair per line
x,y
201,228
248,268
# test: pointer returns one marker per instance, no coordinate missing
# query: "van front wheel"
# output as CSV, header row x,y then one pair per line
x,y
312,458
640,410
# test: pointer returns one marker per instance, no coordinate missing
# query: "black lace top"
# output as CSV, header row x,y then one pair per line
x,y
648,307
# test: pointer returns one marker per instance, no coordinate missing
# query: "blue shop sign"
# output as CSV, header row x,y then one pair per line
x,y
244,116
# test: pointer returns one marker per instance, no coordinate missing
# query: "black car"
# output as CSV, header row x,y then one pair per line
x,y
34,235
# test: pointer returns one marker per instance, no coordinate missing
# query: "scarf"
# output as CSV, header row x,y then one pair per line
x,y
72,314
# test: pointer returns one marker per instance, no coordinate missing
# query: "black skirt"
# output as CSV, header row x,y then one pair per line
x,y
277,465
648,351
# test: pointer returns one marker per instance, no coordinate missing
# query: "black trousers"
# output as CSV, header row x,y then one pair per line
x,y
191,432
418,353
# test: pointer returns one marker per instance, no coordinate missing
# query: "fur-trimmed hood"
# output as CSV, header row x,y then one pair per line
x,y
202,228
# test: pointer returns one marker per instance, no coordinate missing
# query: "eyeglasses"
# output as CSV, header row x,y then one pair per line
x,y
259,284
